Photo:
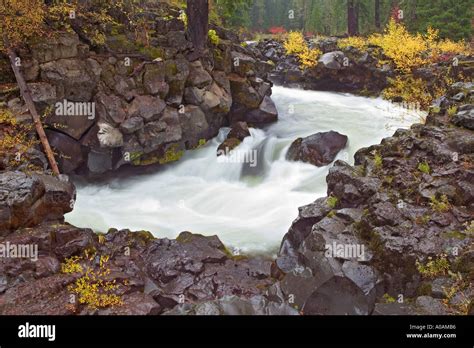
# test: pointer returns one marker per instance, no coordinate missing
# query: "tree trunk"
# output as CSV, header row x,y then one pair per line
x,y
352,20
26,94
198,24
378,24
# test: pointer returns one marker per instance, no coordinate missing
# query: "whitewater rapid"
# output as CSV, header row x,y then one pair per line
x,y
250,206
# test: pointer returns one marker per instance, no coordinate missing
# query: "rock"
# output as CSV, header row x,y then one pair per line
x,y
147,107
239,130
27,201
110,109
164,131
194,125
132,125
465,117
243,64
266,113
154,80
69,151
99,161
134,304
319,149
42,92
243,92
431,306
193,95
333,60
198,77
75,79
63,45
227,146
177,72
337,296
74,126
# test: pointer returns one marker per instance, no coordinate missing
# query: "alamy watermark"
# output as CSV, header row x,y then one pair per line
x,y
21,251
345,251
237,156
68,108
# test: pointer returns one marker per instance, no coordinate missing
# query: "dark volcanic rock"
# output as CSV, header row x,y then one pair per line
x,y
319,149
27,200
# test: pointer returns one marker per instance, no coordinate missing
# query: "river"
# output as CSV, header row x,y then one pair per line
x,y
250,205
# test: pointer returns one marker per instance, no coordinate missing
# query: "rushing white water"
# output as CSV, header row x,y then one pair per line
x,y
250,206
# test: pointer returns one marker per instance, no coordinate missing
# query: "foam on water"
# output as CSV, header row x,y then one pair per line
x,y
249,207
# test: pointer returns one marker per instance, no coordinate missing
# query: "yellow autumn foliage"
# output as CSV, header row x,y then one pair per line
x,y
412,90
20,20
92,288
353,41
295,44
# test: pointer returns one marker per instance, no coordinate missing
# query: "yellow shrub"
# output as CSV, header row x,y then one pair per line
x,y
402,47
296,44
354,41
413,91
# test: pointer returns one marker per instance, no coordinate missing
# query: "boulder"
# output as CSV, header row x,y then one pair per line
x,y
333,60
68,150
319,149
243,92
194,125
266,113
27,200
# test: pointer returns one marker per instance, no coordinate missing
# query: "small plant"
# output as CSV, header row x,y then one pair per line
x,y
213,37
452,110
441,205
389,299
424,167
378,160
423,220
434,267
92,288
332,202
331,214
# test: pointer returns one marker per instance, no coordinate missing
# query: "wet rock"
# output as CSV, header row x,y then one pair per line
x,y
28,200
266,113
69,151
319,149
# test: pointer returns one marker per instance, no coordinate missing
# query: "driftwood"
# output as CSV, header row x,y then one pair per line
x,y
26,94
